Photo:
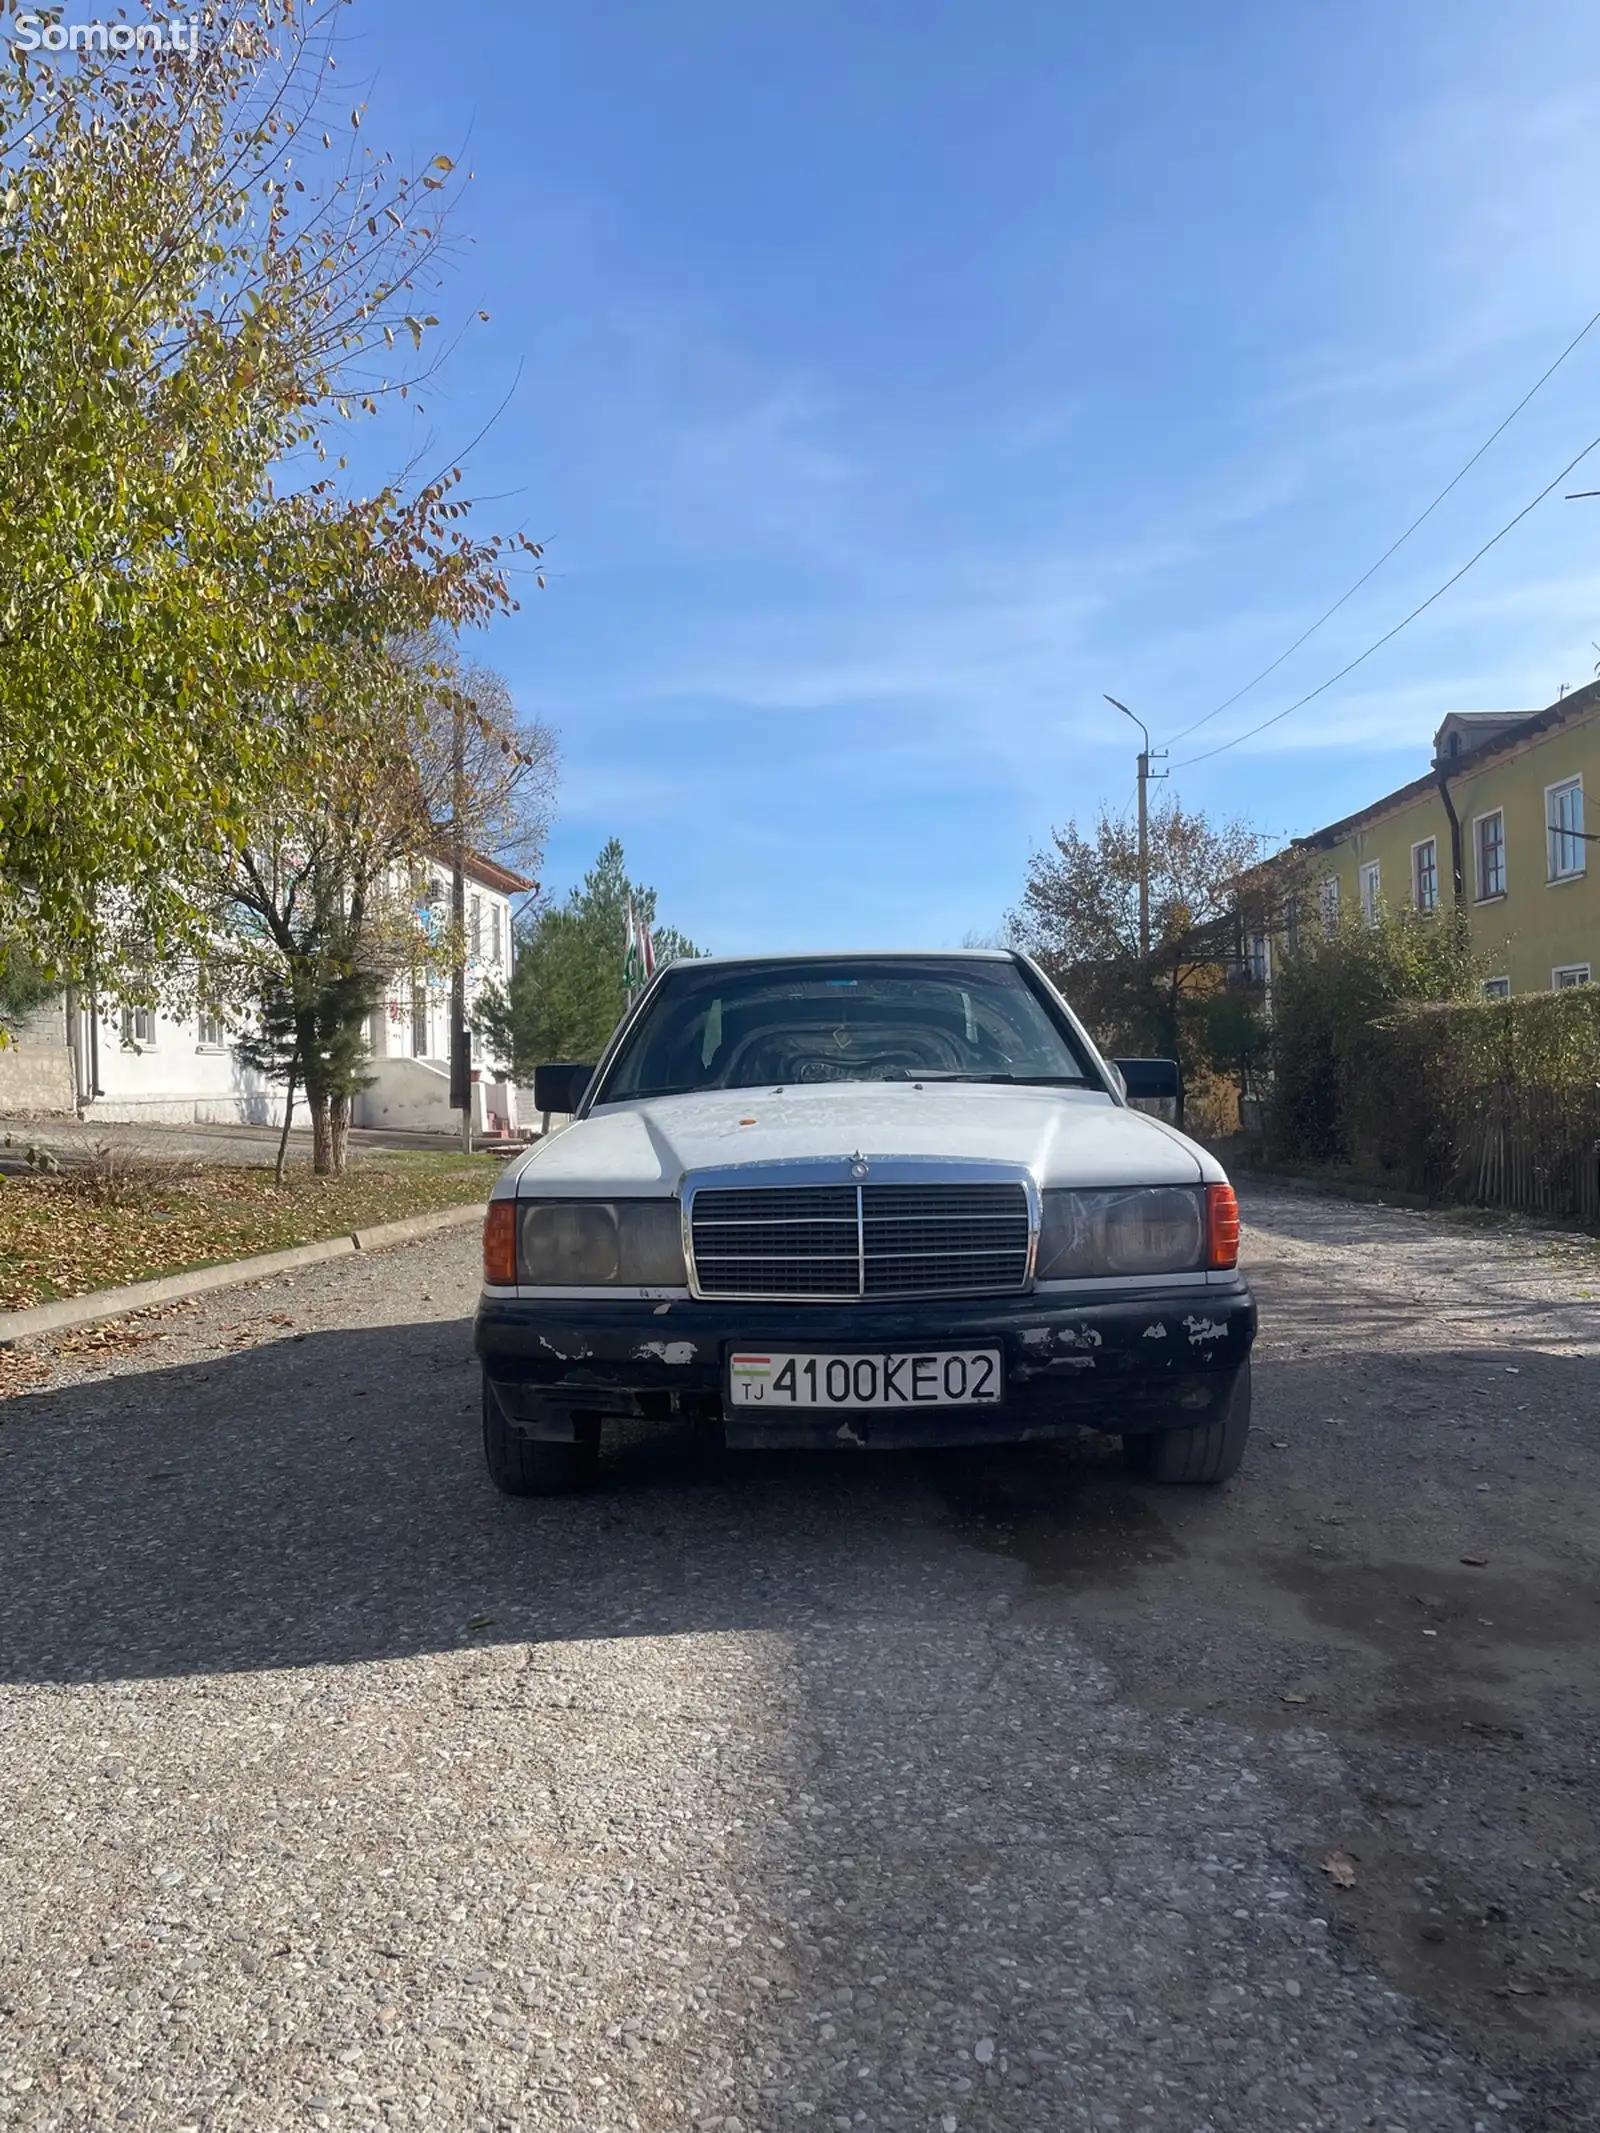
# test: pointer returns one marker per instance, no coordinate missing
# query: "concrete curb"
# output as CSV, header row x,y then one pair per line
x,y
100,1304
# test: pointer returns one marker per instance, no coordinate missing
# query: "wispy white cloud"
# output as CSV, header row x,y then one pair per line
x,y
756,468
806,577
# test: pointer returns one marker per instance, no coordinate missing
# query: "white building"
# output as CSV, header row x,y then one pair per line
x,y
409,1036
141,1064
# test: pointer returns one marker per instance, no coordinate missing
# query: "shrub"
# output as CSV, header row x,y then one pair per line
x,y
1491,1101
1389,1061
1329,1054
115,1173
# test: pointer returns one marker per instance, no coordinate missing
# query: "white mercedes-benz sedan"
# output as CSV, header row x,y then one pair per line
x,y
866,1202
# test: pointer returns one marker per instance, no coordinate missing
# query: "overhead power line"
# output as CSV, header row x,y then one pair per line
x,y
1328,613
1377,645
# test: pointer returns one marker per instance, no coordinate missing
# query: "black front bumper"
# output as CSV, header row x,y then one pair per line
x,y
1134,1361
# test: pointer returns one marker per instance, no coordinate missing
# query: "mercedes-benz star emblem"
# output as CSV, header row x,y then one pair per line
x,y
859,1166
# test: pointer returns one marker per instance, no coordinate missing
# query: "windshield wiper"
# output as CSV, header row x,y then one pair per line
x,y
1021,1081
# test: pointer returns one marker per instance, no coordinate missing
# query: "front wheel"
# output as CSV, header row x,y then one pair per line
x,y
1210,1451
533,1466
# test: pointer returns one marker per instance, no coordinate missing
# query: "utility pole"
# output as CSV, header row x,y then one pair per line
x,y
1146,757
460,1041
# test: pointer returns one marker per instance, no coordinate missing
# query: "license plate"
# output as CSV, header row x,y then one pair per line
x,y
945,1377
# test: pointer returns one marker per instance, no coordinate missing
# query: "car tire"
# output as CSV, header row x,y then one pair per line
x,y
533,1466
1209,1452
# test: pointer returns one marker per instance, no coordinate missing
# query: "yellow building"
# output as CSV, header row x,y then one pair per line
x,y
1496,826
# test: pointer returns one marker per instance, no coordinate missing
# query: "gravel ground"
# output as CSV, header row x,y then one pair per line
x,y
766,1793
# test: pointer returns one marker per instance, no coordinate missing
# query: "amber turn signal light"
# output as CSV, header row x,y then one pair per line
x,y
500,1244
1222,1227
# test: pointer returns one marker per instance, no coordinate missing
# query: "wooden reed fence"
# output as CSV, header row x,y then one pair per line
x,y
1536,1156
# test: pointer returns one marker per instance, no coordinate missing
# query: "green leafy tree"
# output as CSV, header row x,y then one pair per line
x,y
318,910
567,994
23,987
188,317
1328,1002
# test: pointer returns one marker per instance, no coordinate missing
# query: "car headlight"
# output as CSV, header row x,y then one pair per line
x,y
600,1244
1148,1229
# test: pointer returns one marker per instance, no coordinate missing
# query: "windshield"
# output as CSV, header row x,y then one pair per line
x,y
761,1025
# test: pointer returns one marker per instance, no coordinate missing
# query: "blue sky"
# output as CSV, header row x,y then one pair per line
x,y
890,380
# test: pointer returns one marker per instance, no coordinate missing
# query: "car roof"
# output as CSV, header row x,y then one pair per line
x,y
856,955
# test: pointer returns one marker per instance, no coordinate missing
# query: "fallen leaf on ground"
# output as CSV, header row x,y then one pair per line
x,y
1476,1562
1340,1869
1293,1696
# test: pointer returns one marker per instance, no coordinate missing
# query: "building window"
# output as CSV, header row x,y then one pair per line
x,y
139,1027
1490,838
1329,900
475,927
494,935
1291,925
1369,892
1563,814
1571,974
213,1034
1497,988
419,1021
1258,958
1425,875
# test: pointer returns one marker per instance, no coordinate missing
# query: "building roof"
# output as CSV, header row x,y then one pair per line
x,y
1483,735
1463,730
487,873
1335,832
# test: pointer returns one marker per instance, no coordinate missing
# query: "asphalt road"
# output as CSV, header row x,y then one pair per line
x,y
777,1793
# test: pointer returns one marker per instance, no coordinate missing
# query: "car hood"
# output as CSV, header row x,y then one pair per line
x,y
1064,1136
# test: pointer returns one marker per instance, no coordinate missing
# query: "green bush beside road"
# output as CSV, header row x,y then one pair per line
x,y
1389,1065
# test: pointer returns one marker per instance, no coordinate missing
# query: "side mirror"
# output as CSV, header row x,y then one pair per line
x,y
560,1086
1152,1080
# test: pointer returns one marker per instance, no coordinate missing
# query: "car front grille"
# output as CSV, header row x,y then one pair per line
x,y
819,1241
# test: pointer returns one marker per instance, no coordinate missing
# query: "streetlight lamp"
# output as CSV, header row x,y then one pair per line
x,y
1144,827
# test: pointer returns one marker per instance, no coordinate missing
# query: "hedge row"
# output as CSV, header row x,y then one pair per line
x,y
1489,1101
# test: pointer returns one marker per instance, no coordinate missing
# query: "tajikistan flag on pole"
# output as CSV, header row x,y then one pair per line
x,y
639,956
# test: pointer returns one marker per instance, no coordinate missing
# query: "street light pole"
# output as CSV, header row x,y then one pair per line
x,y
1145,774
460,1039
